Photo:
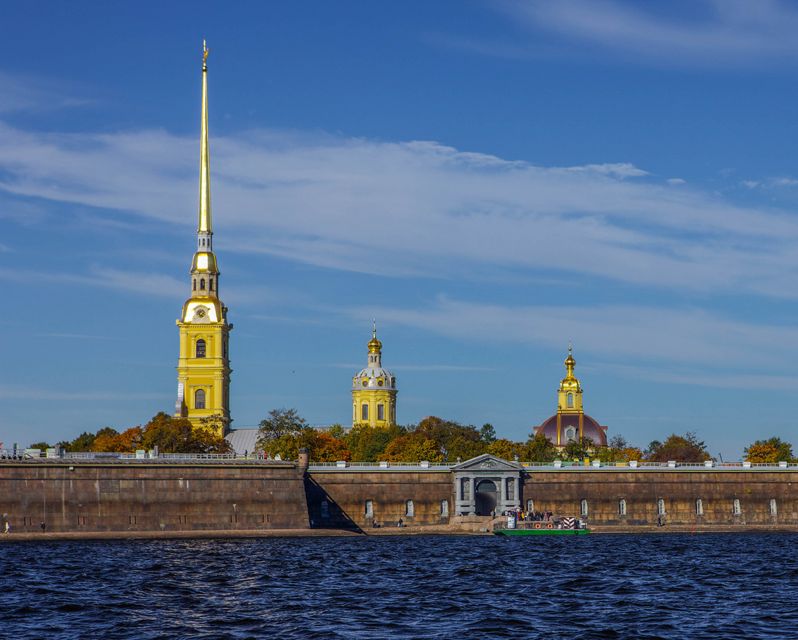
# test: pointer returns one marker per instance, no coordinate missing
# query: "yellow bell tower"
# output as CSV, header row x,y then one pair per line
x,y
203,368
374,390
569,397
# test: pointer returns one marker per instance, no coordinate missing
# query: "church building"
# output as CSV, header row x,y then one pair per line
x,y
203,368
570,423
374,390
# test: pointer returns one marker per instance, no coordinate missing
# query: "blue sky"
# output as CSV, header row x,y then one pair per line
x,y
488,179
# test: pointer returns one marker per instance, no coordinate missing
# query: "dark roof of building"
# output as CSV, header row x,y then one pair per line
x,y
590,428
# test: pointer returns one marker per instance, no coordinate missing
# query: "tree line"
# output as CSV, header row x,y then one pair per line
x,y
283,432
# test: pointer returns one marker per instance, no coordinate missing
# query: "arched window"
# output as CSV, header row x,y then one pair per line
x,y
622,507
699,507
380,412
364,412
410,509
369,508
325,510
570,401
199,399
660,507
583,508
570,434
465,489
444,508
530,505
210,284
736,508
200,350
202,284
195,285
774,509
509,489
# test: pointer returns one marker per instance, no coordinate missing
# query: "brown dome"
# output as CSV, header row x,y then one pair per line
x,y
590,428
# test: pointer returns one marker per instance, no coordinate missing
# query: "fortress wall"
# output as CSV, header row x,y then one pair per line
x,y
562,492
347,490
141,496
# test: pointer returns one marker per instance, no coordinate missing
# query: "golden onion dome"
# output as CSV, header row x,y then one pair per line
x,y
204,261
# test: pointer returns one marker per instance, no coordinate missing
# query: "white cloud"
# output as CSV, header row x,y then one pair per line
x,y
676,181
689,345
28,93
414,208
707,31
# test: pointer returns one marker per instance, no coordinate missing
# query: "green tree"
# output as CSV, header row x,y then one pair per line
x,y
578,449
39,445
327,448
412,447
451,438
506,449
540,449
686,448
770,450
82,443
367,443
487,433
177,435
281,425
337,431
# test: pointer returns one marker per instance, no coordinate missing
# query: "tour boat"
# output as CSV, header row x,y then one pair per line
x,y
564,527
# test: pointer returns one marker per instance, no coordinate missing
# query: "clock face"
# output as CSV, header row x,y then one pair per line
x,y
201,314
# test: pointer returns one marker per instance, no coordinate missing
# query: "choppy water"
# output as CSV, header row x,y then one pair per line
x,y
668,586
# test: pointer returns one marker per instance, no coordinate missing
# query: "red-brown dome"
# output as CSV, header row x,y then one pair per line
x,y
590,429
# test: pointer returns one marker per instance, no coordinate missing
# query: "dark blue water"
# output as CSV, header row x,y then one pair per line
x,y
666,586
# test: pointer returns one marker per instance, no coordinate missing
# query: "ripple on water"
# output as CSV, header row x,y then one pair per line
x,y
676,586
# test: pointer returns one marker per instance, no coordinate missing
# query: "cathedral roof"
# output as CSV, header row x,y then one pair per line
x,y
590,428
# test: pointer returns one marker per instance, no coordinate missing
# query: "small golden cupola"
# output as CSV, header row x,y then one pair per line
x,y
569,395
374,389
571,423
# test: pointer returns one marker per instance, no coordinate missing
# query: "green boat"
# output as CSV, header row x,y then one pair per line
x,y
541,532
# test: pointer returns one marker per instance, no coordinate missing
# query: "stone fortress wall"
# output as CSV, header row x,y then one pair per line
x,y
139,495
229,495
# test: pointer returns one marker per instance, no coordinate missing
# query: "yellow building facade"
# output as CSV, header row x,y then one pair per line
x,y
374,390
203,368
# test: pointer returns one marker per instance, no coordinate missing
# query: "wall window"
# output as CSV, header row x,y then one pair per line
x,y
583,508
410,509
530,506
774,509
200,350
202,284
622,507
444,508
369,508
570,434
364,412
195,285
509,489
210,284
380,412
465,489
325,510
736,508
199,399
354,412
699,507
570,401
660,507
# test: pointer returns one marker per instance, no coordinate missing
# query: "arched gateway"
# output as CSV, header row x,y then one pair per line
x,y
485,485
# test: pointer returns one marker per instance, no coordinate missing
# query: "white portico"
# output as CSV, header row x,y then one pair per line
x,y
486,485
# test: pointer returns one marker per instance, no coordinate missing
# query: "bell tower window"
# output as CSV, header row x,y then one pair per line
x,y
200,351
364,412
199,399
570,401
202,284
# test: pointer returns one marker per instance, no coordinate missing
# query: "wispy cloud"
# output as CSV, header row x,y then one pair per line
x,y
439,211
11,392
707,32
684,345
30,94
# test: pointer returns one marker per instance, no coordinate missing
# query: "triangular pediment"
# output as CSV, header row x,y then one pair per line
x,y
487,462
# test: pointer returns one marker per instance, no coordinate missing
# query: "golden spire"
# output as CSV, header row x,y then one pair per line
x,y
570,363
375,346
204,226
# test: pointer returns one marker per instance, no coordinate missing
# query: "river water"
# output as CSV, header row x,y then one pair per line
x,y
624,586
